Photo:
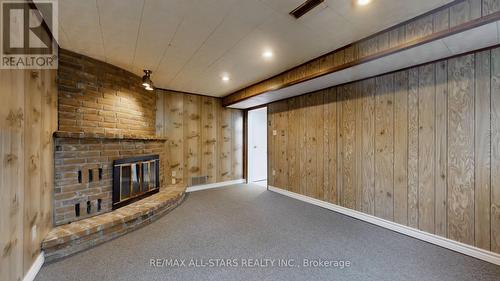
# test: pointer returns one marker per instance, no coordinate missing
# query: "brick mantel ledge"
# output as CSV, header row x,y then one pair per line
x,y
84,135
78,236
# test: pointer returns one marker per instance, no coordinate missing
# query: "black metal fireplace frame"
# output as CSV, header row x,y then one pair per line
x,y
117,203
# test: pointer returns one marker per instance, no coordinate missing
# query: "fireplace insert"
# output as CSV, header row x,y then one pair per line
x,y
135,178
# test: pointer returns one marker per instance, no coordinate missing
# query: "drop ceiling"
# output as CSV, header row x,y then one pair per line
x,y
189,44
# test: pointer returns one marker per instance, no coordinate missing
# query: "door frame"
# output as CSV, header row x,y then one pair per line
x,y
246,141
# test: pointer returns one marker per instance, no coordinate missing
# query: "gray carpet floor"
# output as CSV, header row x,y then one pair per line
x,y
247,223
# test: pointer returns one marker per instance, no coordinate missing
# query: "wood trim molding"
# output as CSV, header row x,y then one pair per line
x,y
279,81
214,185
412,232
35,267
183,92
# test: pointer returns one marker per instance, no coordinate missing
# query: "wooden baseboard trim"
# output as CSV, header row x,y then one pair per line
x,y
214,185
415,233
35,268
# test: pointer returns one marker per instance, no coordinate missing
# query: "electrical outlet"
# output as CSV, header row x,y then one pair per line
x,y
275,133
173,181
274,172
173,173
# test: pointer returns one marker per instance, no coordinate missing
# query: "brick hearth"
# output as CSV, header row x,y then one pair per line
x,y
71,238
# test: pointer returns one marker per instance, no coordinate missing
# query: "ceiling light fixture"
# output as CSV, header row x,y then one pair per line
x,y
267,54
363,2
146,80
225,77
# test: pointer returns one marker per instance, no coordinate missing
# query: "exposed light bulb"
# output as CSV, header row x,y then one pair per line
x,y
267,54
363,2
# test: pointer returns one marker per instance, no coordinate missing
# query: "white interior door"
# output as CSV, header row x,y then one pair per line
x,y
257,145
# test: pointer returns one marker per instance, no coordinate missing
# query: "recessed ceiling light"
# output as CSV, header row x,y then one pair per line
x,y
225,77
267,54
363,2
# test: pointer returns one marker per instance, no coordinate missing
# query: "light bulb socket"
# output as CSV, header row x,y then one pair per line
x,y
146,80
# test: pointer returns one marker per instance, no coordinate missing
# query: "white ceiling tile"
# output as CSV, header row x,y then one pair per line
x,y
189,43
158,27
120,20
80,22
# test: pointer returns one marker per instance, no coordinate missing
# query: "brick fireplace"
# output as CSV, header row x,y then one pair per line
x,y
84,172
104,116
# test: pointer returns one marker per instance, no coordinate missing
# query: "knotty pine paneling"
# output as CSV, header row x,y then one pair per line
x,y
461,149
367,176
426,146
419,147
384,147
495,150
209,138
28,117
203,138
400,147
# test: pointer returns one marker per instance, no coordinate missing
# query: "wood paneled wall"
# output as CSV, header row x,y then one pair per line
x,y
203,138
420,147
28,117
446,18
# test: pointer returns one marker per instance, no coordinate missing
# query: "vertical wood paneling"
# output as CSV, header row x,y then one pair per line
x,y
338,58
490,6
426,147
281,144
461,149
160,109
419,28
237,152
358,146
314,146
441,148
367,107
303,116
464,11
482,150
413,148
292,144
174,125
384,147
495,150
340,142
442,20
271,148
192,131
348,127
49,126
225,161
28,117
32,165
330,166
397,36
318,127
209,138
200,134
419,147
401,147
12,174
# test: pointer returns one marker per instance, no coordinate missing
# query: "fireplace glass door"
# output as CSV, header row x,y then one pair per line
x,y
134,178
